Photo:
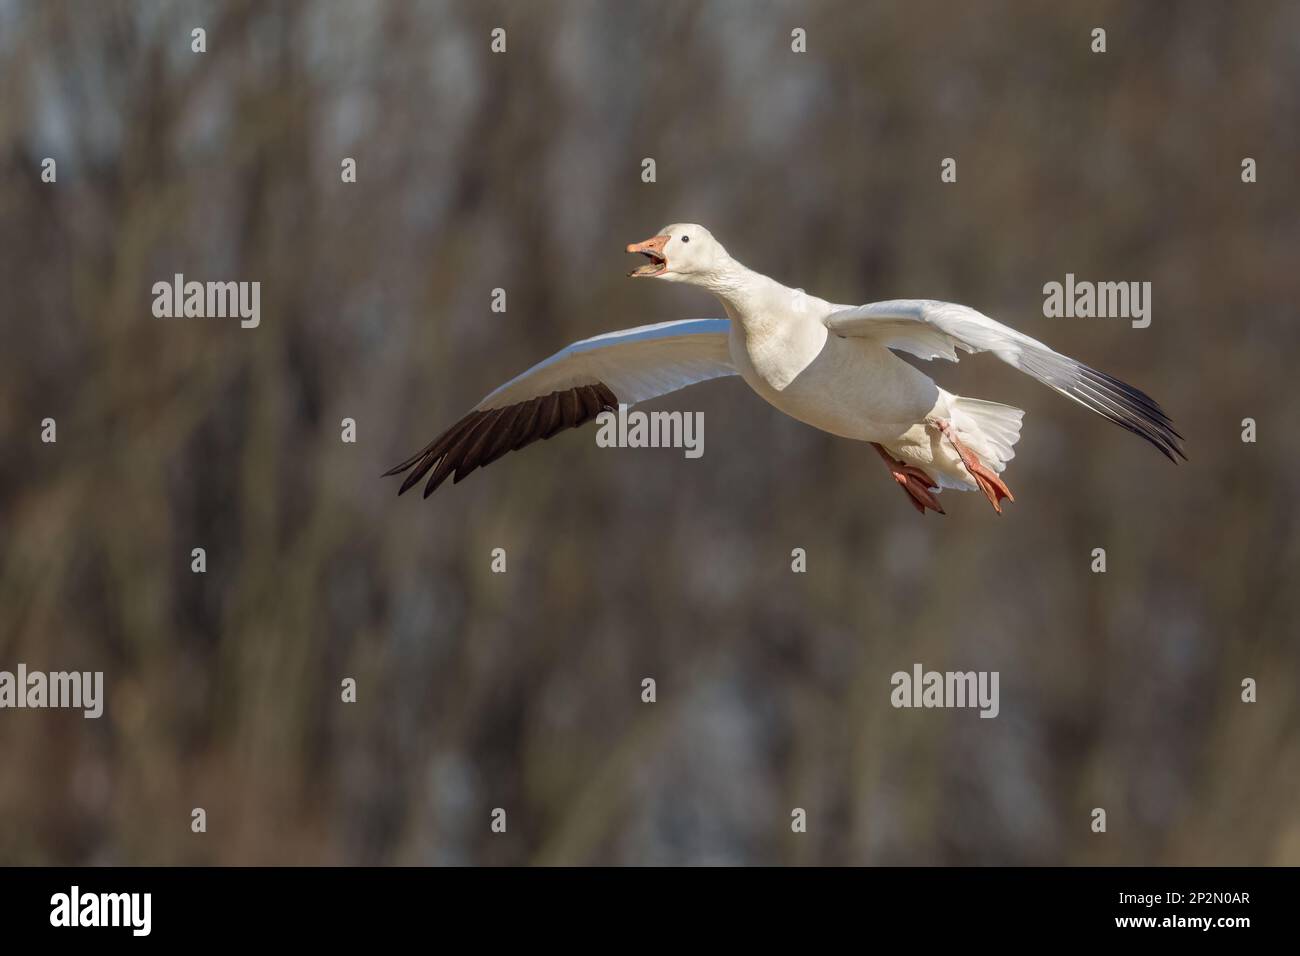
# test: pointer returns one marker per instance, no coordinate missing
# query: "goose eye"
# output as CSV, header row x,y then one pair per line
x,y
686,238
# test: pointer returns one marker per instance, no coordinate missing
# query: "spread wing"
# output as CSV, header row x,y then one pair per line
x,y
569,389
930,330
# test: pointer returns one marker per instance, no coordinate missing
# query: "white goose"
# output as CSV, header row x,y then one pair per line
x,y
830,366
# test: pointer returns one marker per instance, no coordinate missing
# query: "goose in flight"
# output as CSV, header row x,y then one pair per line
x,y
831,366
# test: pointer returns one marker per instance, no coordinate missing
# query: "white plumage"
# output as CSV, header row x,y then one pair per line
x,y
831,366
638,364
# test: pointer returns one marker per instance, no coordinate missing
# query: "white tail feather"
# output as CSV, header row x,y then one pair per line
x,y
989,429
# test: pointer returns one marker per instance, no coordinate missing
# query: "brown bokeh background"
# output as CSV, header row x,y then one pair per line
x,y
522,690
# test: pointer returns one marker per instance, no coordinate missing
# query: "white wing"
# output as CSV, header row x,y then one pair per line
x,y
636,364
930,330
572,387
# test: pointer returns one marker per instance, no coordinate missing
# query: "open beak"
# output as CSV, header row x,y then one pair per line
x,y
652,249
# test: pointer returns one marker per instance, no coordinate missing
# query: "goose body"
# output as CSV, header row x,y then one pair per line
x,y
830,366
849,387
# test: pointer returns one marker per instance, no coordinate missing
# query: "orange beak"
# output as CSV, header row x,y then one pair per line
x,y
652,249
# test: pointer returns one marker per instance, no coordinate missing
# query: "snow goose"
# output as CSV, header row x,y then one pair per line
x,y
831,366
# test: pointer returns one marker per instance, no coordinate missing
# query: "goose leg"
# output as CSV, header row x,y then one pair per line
x,y
986,479
913,480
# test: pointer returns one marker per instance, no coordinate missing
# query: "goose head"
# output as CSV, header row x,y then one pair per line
x,y
682,252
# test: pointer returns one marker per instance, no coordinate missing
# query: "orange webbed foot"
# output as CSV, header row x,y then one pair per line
x,y
987,480
915,482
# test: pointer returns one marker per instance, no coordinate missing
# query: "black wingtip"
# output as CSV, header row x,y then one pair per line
x,y
411,480
1130,408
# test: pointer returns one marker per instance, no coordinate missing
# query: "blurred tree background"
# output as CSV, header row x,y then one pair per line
x,y
522,690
